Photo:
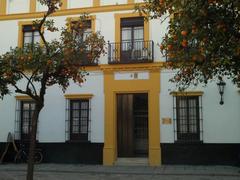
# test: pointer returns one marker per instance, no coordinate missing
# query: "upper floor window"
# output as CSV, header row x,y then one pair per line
x,y
86,28
30,35
87,25
132,40
188,118
132,33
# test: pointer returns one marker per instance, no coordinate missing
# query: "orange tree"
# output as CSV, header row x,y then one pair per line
x,y
43,65
202,40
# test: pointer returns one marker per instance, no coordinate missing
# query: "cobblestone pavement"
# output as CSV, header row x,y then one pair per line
x,y
97,172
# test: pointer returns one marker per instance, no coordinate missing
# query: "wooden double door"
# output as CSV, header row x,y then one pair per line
x,y
132,125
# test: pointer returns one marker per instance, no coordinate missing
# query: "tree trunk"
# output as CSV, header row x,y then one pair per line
x,y
30,168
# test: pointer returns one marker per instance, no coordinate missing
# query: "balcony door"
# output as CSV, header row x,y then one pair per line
x,y
132,38
132,125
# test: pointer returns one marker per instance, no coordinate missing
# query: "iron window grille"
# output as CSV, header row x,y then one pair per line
x,y
78,123
23,119
188,121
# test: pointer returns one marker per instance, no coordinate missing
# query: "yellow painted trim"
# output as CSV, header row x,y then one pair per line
x,y
33,5
23,97
20,33
64,4
67,12
3,7
111,89
96,3
78,96
130,1
186,93
91,68
127,67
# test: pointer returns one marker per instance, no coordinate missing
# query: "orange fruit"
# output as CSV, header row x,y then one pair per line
x,y
184,43
194,57
184,33
170,47
49,62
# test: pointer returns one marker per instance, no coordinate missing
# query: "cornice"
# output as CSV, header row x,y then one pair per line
x,y
23,97
66,12
186,93
132,67
78,96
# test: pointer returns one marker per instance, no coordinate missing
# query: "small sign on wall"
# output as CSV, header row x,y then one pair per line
x,y
131,75
166,120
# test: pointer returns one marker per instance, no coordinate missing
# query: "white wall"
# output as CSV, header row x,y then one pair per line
x,y
79,3
9,35
52,118
139,1
220,122
17,6
158,28
40,7
7,117
105,22
112,2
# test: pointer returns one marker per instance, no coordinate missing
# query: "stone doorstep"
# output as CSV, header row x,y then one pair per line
x,y
131,162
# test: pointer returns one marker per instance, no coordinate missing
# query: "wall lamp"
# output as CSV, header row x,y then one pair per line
x,y
221,84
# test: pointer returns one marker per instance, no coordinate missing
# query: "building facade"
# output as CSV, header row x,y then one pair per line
x,y
127,107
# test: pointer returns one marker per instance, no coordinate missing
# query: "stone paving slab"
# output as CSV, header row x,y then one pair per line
x,y
88,176
135,170
98,172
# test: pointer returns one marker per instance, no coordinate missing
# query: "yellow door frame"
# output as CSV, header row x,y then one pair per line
x,y
113,87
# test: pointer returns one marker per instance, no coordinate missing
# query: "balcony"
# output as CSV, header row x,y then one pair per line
x,y
131,52
86,61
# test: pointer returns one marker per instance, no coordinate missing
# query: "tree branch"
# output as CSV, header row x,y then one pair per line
x,y
29,82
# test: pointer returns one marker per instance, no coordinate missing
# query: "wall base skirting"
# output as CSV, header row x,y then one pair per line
x,y
201,154
85,153
92,153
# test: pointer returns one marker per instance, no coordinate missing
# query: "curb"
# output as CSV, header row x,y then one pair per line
x,y
125,173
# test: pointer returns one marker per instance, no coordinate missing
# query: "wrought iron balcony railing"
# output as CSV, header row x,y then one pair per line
x,y
130,52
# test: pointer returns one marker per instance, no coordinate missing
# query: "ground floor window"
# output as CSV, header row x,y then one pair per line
x,y
23,124
78,120
188,118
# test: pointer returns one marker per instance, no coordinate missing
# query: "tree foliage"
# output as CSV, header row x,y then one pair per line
x,y
202,40
57,61
41,65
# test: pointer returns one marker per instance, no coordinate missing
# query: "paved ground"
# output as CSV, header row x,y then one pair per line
x,y
91,172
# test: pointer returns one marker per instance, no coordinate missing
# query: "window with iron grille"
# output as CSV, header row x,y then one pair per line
x,y
30,35
188,119
78,120
23,119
